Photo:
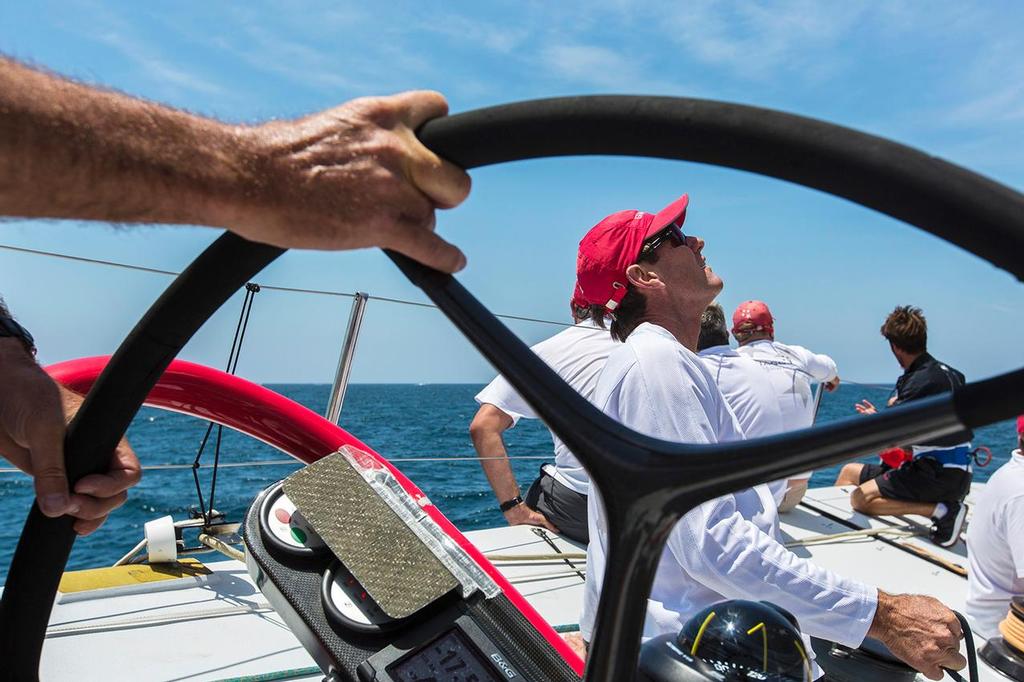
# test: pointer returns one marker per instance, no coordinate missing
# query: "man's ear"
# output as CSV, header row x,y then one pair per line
x,y
642,278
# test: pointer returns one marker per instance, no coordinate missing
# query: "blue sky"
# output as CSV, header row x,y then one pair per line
x,y
945,77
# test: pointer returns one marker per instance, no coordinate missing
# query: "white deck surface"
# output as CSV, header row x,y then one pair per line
x,y
216,628
556,597
872,561
219,627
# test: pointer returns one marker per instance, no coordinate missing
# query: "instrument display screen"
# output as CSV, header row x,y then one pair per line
x,y
449,658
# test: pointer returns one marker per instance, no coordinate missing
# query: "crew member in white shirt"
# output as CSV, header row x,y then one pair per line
x,y
792,370
557,500
995,544
652,279
745,386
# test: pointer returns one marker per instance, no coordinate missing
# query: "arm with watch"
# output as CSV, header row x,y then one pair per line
x,y
486,431
34,412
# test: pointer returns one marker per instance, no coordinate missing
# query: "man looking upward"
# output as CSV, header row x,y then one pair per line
x,y
652,279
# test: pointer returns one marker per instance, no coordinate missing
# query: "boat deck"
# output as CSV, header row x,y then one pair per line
x,y
216,625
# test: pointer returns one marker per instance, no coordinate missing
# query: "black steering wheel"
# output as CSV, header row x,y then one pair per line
x,y
646,484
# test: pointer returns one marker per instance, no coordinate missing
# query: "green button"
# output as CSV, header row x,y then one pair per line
x,y
298,535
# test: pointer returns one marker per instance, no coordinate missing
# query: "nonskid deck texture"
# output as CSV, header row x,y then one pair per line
x,y
219,627
211,627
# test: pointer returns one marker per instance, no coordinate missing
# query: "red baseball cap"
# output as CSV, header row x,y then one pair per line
x,y
753,316
578,300
613,245
1020,425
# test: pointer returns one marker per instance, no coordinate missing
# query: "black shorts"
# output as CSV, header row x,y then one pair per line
x,y
920,480
562,506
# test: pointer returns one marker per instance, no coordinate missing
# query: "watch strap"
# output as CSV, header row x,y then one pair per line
x,y
509,504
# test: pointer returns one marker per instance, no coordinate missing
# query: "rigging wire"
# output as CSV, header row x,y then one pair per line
x,y
251,289
293,290
296,462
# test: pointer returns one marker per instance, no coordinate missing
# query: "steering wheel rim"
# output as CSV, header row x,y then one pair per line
x,y
646,487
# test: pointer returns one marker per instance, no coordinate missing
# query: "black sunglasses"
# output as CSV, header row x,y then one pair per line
x,y
672,233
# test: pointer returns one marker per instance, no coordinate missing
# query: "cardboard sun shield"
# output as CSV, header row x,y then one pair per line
x,y
392,564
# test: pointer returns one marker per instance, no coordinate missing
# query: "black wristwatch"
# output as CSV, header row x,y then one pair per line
x,y
8,327
509,504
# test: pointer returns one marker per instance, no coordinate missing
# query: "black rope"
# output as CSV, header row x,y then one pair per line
x,y
540,532
251,289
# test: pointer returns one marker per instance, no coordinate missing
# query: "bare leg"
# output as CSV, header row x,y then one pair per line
x,y
850,474
867,499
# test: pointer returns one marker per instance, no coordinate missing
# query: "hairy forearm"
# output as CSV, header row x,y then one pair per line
x,y
881,624
72,151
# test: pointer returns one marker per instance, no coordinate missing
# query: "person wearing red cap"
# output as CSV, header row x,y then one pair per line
x,y
744,384
995,544
652,279
557,499
936,480
792,370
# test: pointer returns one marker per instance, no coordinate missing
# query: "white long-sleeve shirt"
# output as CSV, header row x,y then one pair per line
x,y
995,547
725,548
792,370
749,392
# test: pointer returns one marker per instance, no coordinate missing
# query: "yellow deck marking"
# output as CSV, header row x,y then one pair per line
x,y
764,636
700,633
131,574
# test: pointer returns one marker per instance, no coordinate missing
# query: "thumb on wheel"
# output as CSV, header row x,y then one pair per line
x,y
51,482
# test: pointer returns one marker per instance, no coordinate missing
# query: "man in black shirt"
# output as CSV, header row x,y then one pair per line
x,y
936,480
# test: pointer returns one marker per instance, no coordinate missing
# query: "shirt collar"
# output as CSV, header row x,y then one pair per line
x,y
651,328
920,360
724,349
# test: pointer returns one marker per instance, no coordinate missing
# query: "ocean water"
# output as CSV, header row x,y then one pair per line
x,y
396,420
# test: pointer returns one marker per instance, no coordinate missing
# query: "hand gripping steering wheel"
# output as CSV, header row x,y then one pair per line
x,y
646,484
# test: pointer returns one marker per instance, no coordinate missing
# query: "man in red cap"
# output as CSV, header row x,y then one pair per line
x,y
792,370
995,544
652,279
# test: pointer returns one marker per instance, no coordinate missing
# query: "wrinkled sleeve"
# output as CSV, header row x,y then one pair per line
x,y
501,394
820,366
1014,535
716,546
684,387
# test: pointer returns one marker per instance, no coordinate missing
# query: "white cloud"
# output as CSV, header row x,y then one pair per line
x,y
992,84
501,39
111,29
158,68
602,67
757,41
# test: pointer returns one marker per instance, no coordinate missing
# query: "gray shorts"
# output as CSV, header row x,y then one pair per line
x,y
562,506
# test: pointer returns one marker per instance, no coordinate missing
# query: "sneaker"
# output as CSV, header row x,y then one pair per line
x,y
945,532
